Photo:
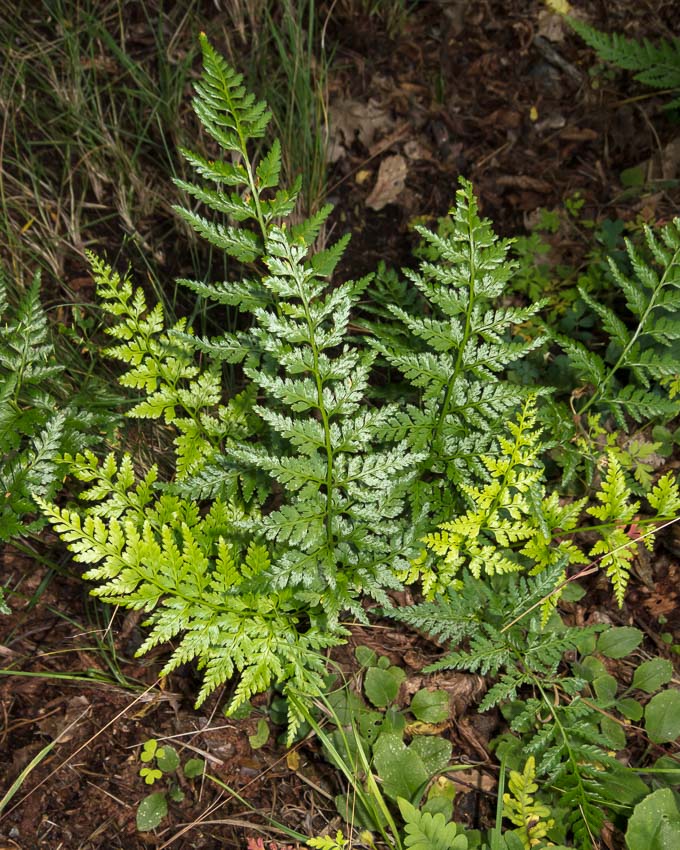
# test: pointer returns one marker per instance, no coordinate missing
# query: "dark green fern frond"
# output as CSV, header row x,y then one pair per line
x,y
40,413
455,356
654,65
626,380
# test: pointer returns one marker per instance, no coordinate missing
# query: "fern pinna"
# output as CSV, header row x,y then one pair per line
x,y
655,65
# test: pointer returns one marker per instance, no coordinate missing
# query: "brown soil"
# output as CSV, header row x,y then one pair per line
x,y
494,90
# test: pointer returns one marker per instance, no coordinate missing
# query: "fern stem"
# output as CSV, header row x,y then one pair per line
x,y
324,415
575,764
470,243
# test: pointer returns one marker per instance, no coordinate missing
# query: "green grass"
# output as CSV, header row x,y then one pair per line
x,y
95,102
94,110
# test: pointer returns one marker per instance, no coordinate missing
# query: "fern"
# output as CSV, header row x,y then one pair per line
x,y
159,555
425,831
627,381
513,525
38,419
531,818
295,468
455,355
551,721
297,500
655,65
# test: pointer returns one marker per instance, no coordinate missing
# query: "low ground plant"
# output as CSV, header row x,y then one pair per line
x,y
303,500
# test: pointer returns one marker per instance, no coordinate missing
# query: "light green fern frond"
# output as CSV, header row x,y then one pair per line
x,y
531,817
429,832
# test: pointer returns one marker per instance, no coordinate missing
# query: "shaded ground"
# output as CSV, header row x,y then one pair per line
x,y
492,90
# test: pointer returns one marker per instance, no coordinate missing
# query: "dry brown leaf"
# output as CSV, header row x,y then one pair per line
x,y
391,180
415,150
551,25
350,120
63,728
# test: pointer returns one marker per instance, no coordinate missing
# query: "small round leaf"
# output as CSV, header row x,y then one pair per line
x,y
151,811
193,768
167,759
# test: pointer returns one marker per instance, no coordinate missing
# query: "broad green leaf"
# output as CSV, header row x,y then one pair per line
x,y
430,706
366,656
630,708
614,733
193,768
401,770
623,785
590,668
435,752
151,811
662,717
655,823
652,675
619,642
261,735
382,686
605,690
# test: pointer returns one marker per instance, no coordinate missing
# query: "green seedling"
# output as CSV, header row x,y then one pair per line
x,y
162,763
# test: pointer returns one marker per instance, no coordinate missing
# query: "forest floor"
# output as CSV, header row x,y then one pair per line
x,y
500,92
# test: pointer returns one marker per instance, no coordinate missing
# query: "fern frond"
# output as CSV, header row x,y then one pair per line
x,y
624,383
655,65
531,817
457,353
425,831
